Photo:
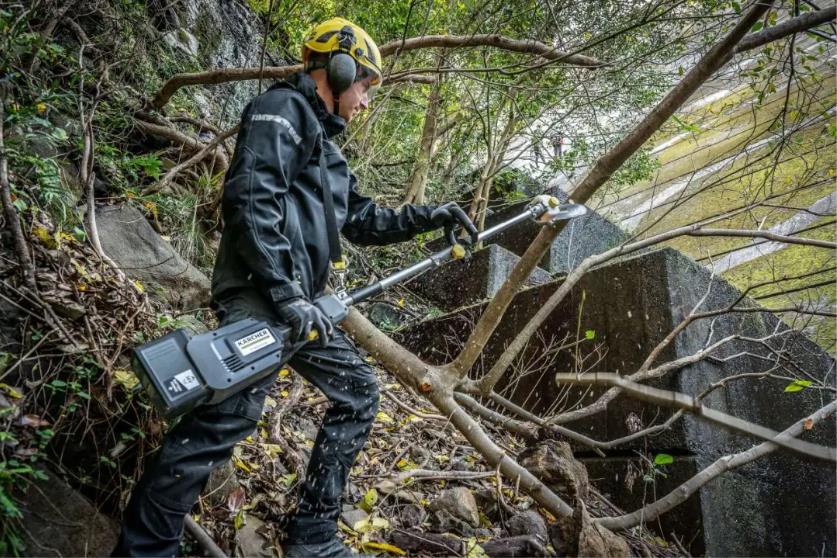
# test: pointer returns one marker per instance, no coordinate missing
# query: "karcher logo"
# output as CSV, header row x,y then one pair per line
x,y
255,341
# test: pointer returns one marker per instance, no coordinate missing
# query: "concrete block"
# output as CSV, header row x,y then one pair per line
x,y
618,313
475,278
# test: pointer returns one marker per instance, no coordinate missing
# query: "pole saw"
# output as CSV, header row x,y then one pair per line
x,y
181,371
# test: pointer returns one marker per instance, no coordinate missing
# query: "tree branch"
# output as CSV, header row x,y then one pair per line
x,y
722,465
711,62
691,404
497,41
226,75
787,28
437,386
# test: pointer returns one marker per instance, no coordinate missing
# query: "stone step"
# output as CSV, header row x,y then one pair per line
x,y
618,313
477,277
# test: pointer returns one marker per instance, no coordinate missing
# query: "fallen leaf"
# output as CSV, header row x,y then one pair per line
x,y
236,499
284,372
808,424
369,500
125,378
383,417
240,520
385,547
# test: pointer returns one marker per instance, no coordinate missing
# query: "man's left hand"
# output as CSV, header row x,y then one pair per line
x,y
450,215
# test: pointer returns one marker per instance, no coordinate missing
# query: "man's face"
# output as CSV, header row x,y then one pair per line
x,y
355,99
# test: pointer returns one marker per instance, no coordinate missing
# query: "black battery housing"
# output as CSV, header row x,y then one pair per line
x,y
181,371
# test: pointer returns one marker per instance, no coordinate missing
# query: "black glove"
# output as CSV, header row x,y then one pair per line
x,y
450,215
304,317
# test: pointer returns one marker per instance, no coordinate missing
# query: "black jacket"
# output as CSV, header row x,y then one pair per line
x,y
275,239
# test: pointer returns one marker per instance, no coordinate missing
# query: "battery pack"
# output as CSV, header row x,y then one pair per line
x,y
182,371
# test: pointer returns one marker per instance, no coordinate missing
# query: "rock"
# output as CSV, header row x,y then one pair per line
x,y
142,254
442,521
412,515
415,541
459,502
529,522
249,543
61,522
385,316
222,481
579,536
554,464
512,547
354,516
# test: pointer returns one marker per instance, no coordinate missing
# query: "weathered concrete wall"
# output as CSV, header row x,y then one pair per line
x,y
472,279
779,505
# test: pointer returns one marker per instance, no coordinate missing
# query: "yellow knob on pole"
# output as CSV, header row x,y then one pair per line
x,y
457,251
554,202
313,335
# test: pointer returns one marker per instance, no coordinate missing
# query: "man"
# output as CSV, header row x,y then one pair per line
x,y
287,193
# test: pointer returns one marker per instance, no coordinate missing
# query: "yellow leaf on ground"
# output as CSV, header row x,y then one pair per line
x,y
242,465
369,500
383,417
284,372
125,378
240,520
385,547
405,464
283,393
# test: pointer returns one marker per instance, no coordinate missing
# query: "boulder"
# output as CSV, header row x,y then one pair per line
x,y
142,254
459,502
528,522
58,521
553,463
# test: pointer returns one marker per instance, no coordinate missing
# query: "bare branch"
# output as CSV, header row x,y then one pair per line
x,y
692,404
722,465
27,270
497,41
227,75
194,159
717,56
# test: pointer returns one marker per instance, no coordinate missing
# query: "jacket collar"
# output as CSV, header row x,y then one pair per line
x,y
332,124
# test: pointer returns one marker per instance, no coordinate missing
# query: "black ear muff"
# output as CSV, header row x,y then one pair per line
x,y
341,72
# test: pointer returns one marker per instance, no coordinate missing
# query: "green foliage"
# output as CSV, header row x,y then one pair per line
x,y
797,385
663,459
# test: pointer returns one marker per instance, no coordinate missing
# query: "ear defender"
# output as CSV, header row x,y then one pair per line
x,y
341,71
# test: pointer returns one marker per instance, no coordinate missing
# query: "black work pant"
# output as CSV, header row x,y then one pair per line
x,y
204,439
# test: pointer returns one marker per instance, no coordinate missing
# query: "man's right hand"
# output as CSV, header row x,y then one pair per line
x,y
304,317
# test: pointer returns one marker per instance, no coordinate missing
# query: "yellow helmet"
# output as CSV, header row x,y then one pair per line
x,y
339,36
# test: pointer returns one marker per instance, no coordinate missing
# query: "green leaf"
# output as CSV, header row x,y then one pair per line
x,y
590,334
663,459
756,26
797,385
736,7
369,500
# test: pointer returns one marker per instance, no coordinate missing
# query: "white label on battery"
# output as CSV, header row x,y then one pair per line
x,y
188,379
255,341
